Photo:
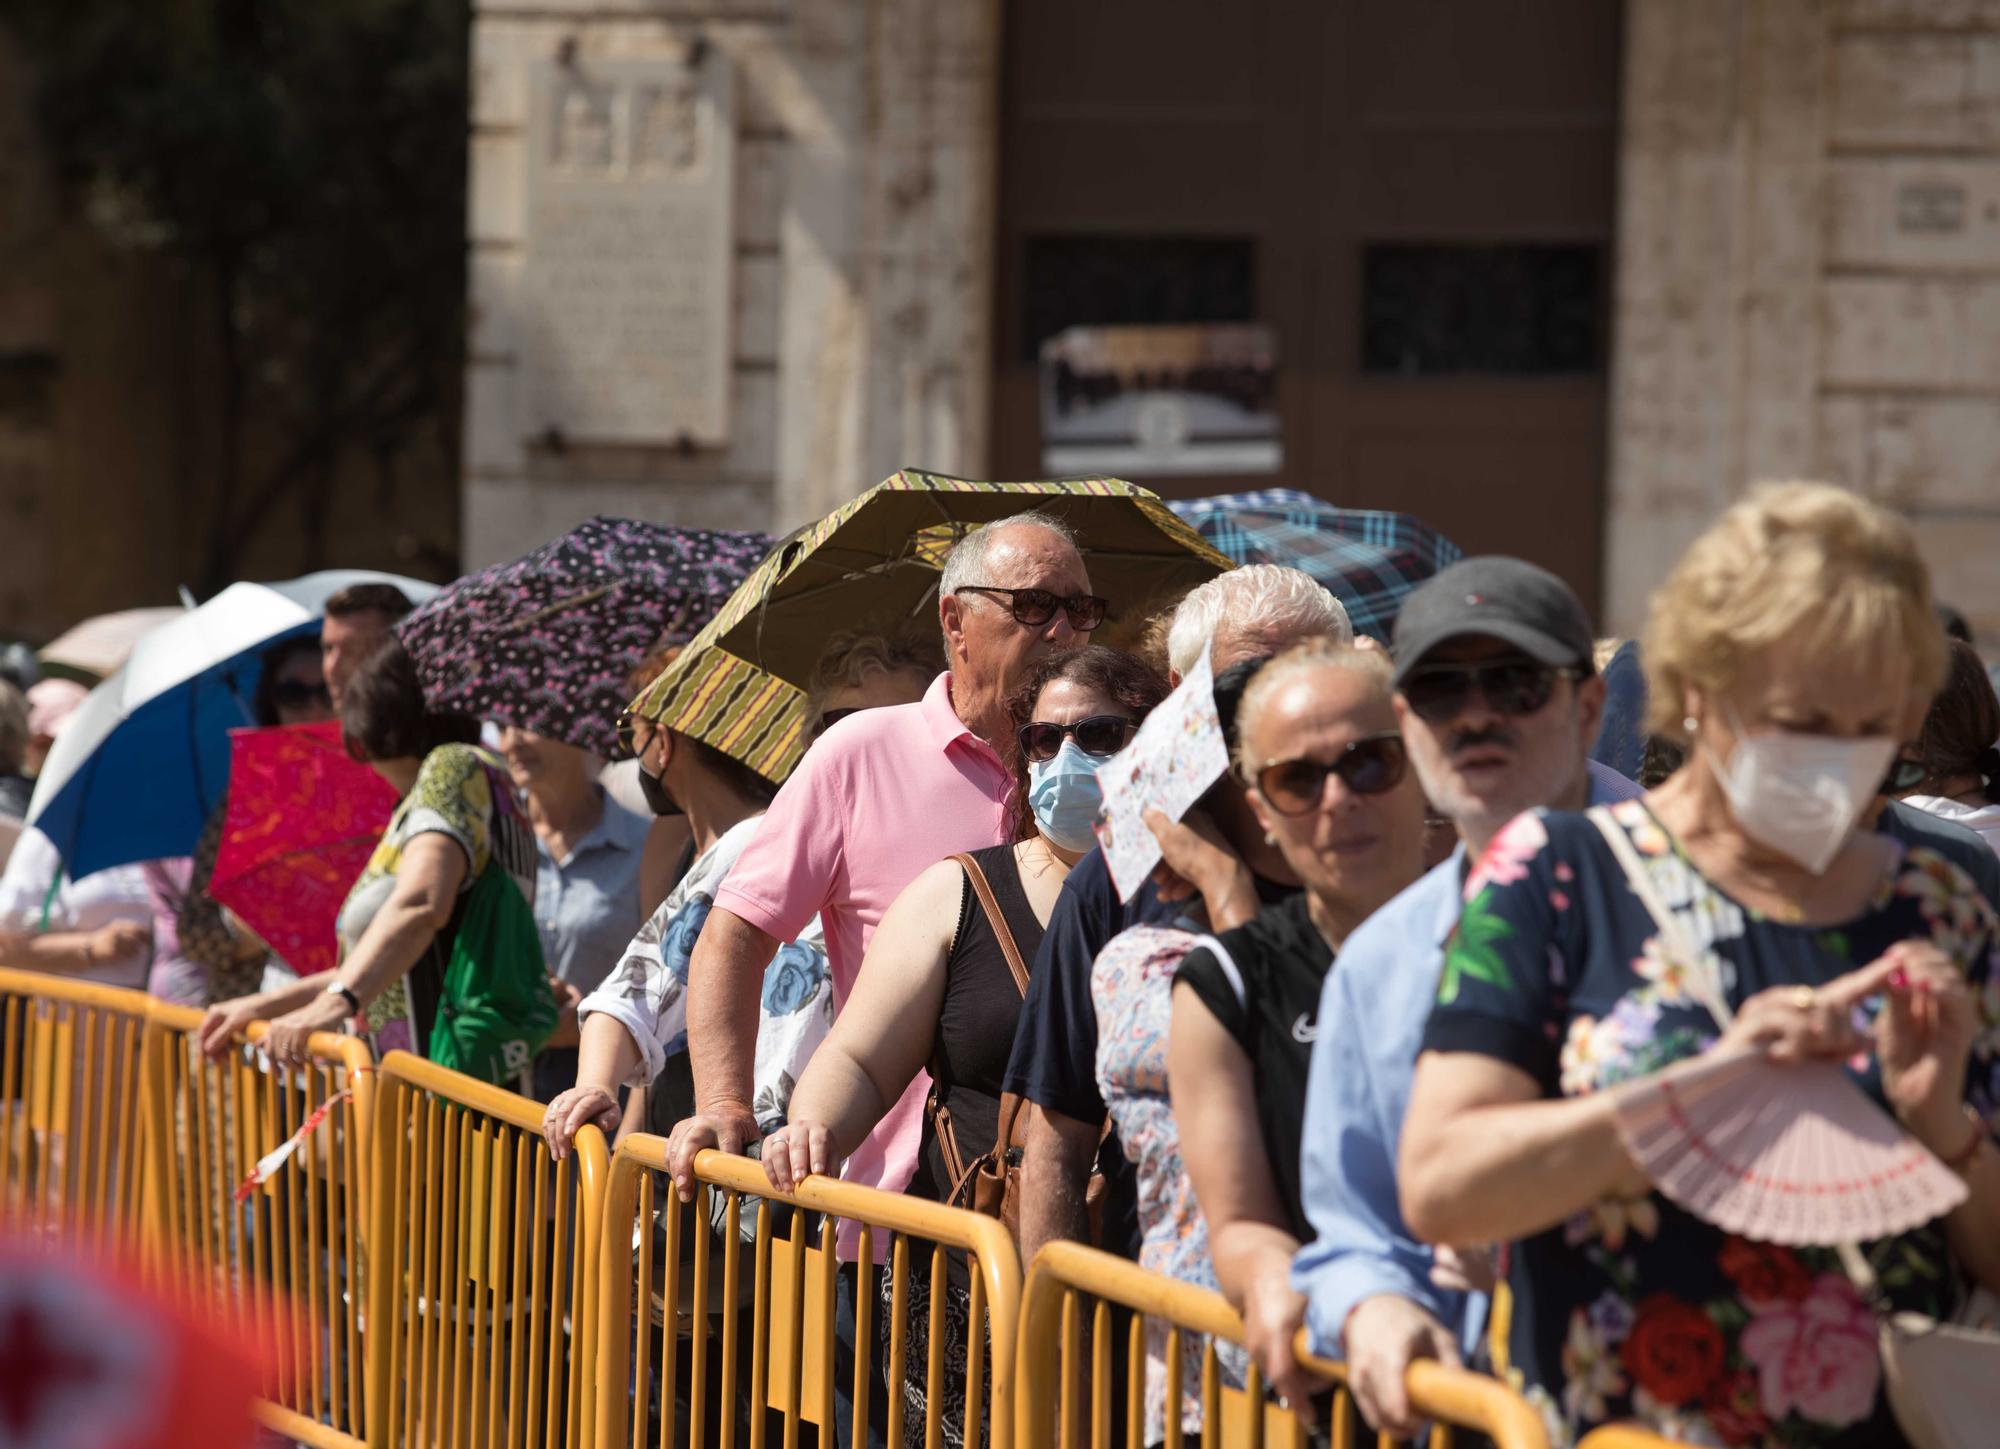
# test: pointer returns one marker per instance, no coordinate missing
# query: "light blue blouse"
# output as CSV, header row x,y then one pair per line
x,y
588,905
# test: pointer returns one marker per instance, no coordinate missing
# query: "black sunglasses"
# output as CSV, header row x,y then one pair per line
x,y
1370,765
1511,686
291,693
1035,607
1102,735
629,726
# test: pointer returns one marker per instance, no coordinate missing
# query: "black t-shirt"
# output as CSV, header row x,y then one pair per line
x,y
1053,1063
1262,982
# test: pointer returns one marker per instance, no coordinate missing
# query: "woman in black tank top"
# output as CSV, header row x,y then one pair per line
x,y
936,990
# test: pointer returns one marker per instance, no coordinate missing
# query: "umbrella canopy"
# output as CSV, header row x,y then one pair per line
x,y
303,819
141,763
546,642
1369,560
100,646
740,685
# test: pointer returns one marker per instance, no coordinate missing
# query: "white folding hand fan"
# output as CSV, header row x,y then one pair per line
x,y
1781,1153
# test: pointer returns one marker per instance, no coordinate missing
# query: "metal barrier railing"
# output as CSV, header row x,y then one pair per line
x,y
686,1368
282,1257
484,1274
1628,1436
1066,1386
72,1123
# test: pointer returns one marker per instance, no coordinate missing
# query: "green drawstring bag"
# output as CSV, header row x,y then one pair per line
x,y
495,1010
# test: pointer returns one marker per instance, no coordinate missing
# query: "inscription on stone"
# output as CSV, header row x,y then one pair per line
x,y
1930,206
626,325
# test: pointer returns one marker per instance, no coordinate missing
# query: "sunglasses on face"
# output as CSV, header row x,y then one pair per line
x,y
635,733
297,694
1511,687
1102,735
1370,765
1035,607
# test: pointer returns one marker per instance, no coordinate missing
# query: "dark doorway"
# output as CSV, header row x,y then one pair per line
x,y
1416,195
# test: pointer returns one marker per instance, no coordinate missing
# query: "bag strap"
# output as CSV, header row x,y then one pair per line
x,y
1673,936
990,904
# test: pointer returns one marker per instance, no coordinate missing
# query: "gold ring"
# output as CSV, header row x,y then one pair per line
x,y
1804,998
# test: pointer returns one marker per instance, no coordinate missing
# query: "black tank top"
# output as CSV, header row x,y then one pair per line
x,y
975,1031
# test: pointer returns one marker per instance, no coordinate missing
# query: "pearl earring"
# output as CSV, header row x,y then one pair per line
x,y
1270,837
1690,724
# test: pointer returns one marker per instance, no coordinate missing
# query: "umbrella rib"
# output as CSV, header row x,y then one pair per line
x,y
589,596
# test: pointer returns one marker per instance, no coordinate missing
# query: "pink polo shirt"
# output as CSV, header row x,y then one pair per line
x,y
879,797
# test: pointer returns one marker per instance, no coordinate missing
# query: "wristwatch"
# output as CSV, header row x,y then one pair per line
x,y
334,988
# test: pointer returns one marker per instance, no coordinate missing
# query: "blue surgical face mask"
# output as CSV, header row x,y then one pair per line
x,y
1065,796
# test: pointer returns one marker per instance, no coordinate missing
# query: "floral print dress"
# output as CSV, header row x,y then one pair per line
x,y
1132,988
1638,1309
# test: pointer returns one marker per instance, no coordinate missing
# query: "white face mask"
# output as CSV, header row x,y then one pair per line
x,y
1801,795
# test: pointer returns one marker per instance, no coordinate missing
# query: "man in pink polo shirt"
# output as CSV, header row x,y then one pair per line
x,y
879,797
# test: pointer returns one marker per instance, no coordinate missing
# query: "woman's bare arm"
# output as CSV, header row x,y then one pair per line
x,y
1485,1159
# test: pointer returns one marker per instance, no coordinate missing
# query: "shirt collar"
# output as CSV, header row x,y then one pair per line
x,y
942,717
617,828
1451,893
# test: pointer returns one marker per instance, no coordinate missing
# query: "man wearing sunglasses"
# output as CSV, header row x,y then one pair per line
x,y
881,796
1499,703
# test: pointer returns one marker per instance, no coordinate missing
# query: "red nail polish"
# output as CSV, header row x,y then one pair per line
x,y
1899,979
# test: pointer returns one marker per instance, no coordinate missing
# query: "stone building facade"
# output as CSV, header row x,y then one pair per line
x,y
1806,277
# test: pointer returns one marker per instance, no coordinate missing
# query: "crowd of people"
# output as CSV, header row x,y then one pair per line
x,y
1351,1054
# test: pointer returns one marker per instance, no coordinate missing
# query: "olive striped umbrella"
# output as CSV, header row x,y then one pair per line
x,y
740,684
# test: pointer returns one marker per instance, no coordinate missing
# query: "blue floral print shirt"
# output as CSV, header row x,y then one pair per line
x,y
1638,1309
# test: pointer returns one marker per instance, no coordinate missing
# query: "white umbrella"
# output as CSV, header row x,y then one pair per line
x,y
101,645
138,767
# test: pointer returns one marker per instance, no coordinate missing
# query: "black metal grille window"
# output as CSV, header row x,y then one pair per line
x,y
1522,308
1106,281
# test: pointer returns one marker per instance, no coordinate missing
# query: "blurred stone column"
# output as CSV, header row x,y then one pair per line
x,y
860,270
1808,275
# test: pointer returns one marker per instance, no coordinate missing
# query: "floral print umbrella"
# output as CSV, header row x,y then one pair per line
x,y
545,643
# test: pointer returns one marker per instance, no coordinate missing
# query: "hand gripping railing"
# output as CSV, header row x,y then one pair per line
x,y
483,1272
1067,1401
686,1369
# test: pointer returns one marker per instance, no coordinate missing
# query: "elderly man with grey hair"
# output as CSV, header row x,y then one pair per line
x,y
881,795
1243,615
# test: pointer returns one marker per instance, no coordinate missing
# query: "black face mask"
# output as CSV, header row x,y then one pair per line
x,y
658,799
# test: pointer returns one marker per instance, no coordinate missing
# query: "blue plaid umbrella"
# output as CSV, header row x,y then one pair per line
x,y
1368,559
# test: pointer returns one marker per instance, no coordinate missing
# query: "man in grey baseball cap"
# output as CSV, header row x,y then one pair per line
x,y
1498,704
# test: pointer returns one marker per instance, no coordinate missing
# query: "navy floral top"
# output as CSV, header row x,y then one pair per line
x,y
1638,1309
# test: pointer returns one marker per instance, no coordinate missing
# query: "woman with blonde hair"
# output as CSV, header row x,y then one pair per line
x,y
1793,647
1331,784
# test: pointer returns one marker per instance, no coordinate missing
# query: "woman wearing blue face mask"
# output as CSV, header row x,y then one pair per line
x,y
1741,905
940,988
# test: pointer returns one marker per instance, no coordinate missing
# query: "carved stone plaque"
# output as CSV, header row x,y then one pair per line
x,y
625,332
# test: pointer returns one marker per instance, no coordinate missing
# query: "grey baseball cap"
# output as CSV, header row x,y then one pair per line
x,y
1499,598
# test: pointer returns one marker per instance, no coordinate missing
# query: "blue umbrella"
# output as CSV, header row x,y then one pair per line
x,y
145,757
1369,560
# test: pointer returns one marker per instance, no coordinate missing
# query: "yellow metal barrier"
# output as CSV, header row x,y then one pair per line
x,y
483,1275
1627,1436
1066,1399
72,1122
689,1363
285,1263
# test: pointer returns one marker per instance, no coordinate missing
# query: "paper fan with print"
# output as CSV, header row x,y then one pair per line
x,y
1781,1153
